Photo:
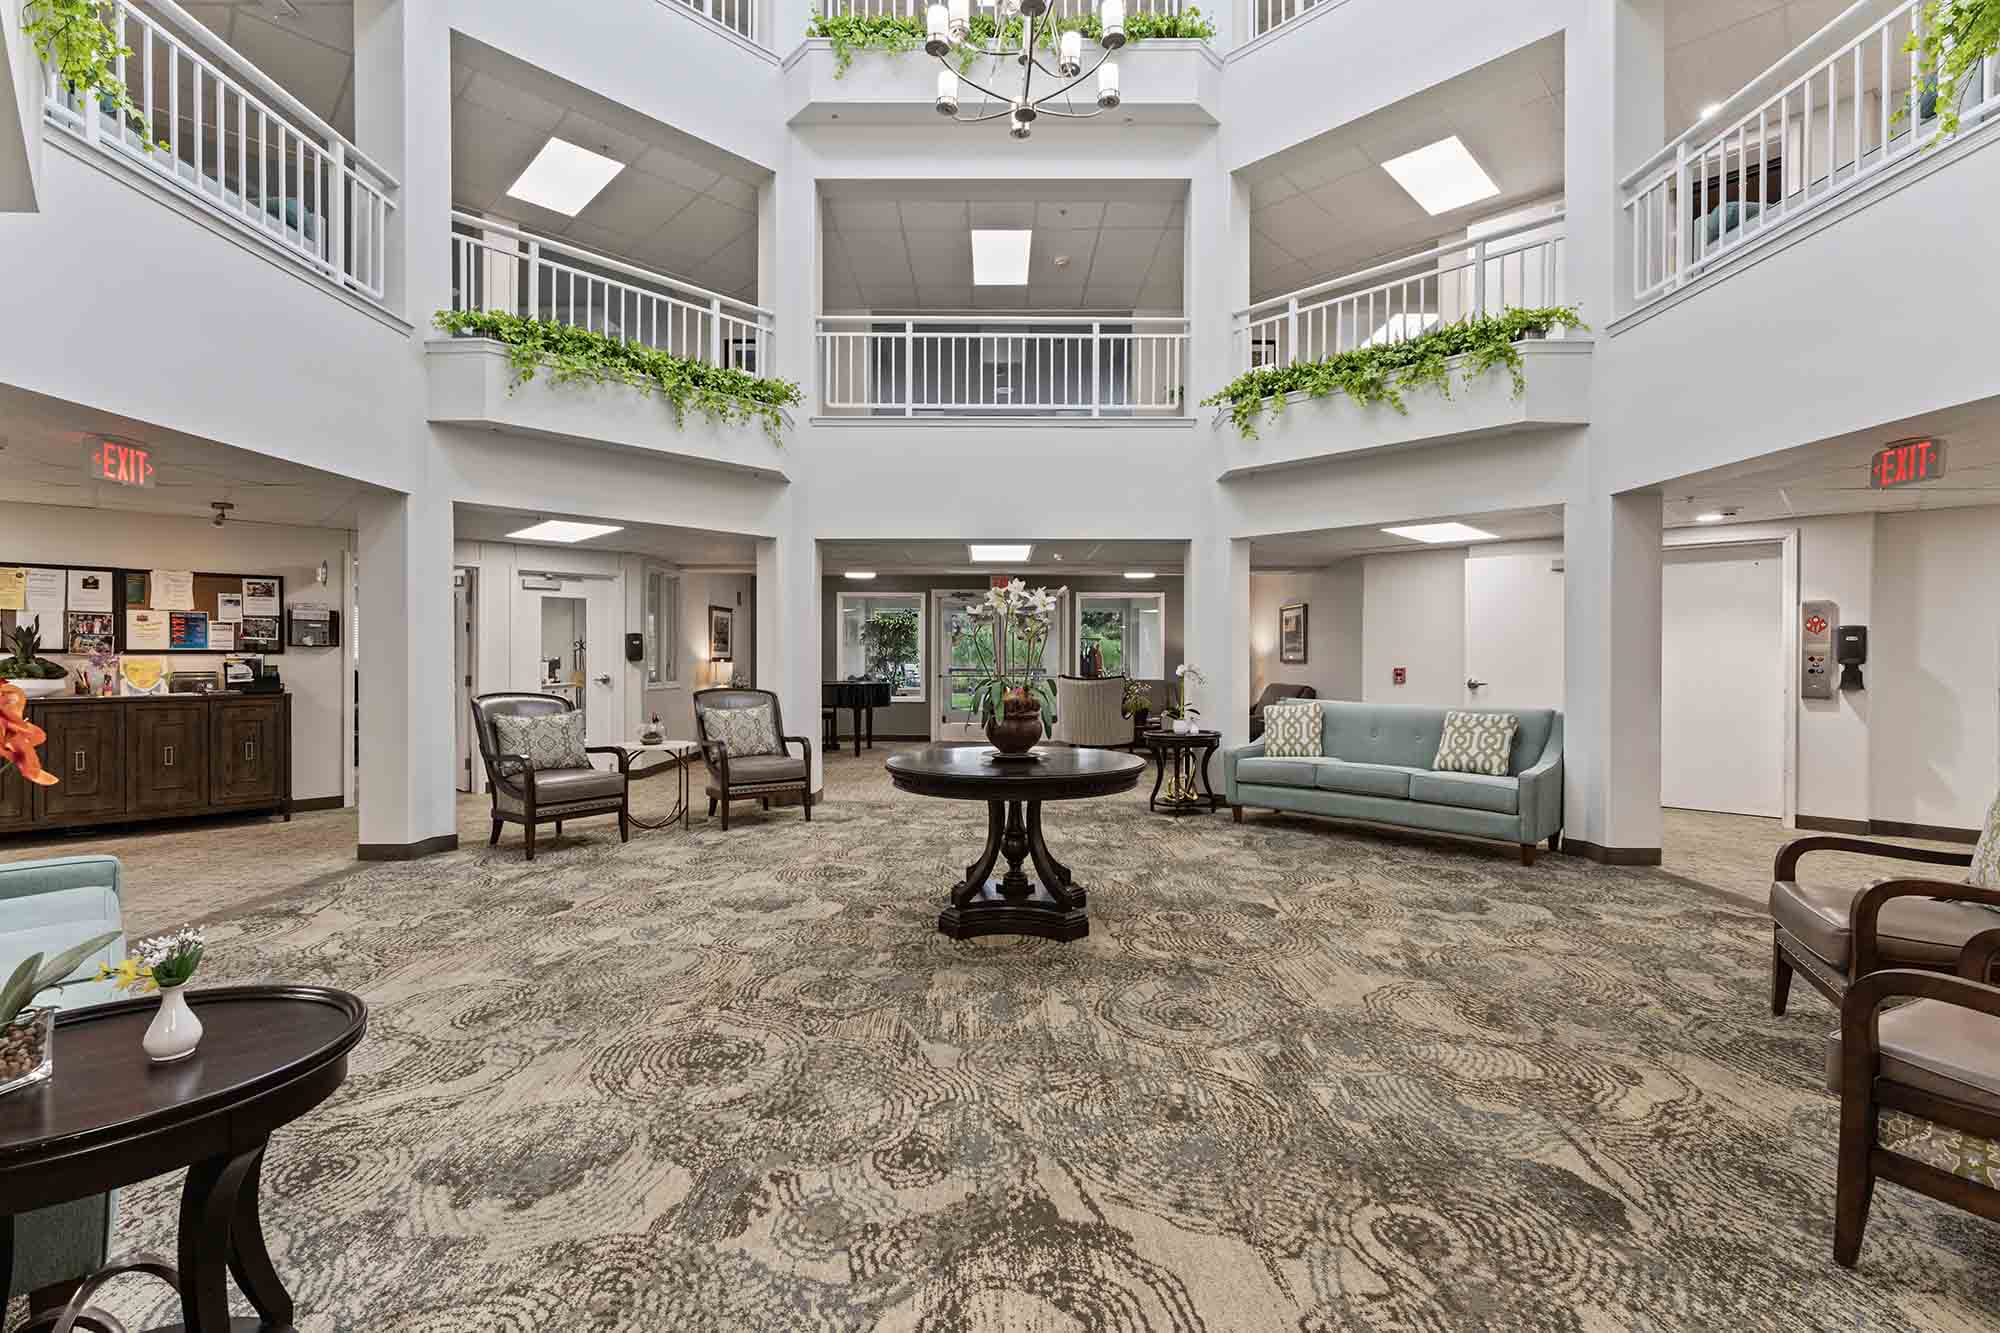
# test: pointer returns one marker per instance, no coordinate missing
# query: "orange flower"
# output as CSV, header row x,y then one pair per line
x,y
19,737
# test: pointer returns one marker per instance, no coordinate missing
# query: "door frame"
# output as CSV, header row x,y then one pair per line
x,y
1787,541
940,654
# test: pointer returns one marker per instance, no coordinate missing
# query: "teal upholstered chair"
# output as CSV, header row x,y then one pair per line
x,y
46,907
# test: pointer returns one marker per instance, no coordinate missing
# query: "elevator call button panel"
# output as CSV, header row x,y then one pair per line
x,y
1818,628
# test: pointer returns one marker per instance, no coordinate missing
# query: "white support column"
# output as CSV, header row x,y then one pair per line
x,y
402,118
1611,678
408,705
788,267
788,634
1216,628
1614,113
1217,265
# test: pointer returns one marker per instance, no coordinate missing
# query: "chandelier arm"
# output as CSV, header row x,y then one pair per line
x,y
1037,103
998,97
981,120
1069,115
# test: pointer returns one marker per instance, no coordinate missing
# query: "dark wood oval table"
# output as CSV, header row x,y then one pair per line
x,y
1048,903
110,1117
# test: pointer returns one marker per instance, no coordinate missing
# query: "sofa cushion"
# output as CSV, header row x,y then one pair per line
x,y
1468,791
1363,779
1292,730
1942,1048
549,740
1408,735
1909,930
742,731
1278,772
766,768
1476,743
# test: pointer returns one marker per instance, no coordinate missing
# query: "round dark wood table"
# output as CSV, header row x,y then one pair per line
x,y
1048,902
1179,755
110,1117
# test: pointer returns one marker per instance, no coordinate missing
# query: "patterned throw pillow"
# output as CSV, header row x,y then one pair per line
x,y
550,740
742,731
1292,730
1986,856
1476,743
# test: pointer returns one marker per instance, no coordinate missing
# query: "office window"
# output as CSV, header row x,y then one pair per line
x,y
1121,634
662,619
882,638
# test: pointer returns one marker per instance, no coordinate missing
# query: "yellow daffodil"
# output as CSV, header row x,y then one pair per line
x,y
132,975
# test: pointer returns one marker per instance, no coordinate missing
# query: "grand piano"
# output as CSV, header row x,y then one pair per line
x,y
862,698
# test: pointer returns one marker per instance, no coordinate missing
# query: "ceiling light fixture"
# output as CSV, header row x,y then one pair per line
x,y
859,575
563,530
1442,176
1000,258
948,37
1715,516
990,553
564,178
1434,533
1138,573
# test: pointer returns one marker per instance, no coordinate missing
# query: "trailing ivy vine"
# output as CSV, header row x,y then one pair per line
x,y
571,355
1954,37
894,34
72,37
1381,374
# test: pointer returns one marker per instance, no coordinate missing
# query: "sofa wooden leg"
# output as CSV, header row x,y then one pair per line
x,y
1781,980
1527,853
1236,811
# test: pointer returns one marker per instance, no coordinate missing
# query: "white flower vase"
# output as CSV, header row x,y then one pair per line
x,y
175,1032
1182,726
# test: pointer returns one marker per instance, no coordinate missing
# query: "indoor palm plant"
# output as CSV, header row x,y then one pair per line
x,y
1011,625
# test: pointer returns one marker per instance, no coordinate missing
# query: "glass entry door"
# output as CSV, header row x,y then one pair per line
x,y
965,653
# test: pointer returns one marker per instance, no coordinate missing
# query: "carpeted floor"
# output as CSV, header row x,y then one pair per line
x,y
1297,1078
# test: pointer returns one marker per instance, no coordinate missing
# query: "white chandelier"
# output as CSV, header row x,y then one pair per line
x,y
948,31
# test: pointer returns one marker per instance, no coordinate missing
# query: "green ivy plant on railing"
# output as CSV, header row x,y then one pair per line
x,y
894,34
1381,374
72,38
1954,37
572,355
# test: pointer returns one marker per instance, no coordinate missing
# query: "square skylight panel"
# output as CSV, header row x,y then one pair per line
x,y
998,553
1000,258
564,530
1442,176
564,178
1441,532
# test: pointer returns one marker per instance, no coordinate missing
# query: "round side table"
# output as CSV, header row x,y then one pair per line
x,y
1175,756
676,756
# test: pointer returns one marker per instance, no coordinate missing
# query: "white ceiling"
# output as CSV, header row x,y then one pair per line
x,y
691,548
43,445
1715,47
905,245
1311,550
306,45
948,556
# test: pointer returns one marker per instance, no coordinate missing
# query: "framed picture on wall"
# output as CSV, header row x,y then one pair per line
x,y
721,634
1292,633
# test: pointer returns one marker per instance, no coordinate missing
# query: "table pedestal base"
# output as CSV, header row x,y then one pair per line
x,y
1046,903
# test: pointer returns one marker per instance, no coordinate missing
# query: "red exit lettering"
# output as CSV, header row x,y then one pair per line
x,y
1905,463
124,464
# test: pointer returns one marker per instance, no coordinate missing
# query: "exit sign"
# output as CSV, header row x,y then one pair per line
x,y
124,464
1905,463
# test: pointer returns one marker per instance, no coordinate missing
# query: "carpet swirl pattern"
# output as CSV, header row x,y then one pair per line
x,y
1297,1078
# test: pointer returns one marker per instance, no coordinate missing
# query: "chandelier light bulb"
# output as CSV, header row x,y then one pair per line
x,y
1107,84
1112,18
960,26
937,24
1033,8
1069,59
1024,118
947,93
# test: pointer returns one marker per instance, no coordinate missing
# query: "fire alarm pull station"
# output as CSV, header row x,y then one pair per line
x,y
1819,626
1400,675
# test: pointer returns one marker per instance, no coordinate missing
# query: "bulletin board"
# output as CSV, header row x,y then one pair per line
x,y
132,590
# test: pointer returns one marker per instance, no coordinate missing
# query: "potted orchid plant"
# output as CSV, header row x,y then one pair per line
x,y
1008,631
1179,711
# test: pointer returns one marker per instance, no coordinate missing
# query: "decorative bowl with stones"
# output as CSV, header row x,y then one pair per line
x,y
27,1049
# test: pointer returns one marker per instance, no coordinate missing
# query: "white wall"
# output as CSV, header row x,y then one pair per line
x,y
319,684
699,591
1413,616
1333,629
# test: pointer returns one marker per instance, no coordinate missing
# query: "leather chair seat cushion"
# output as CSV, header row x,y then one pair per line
x,y
1364,779
757,769
562,786
1941,1048
1468,791
1278,772
1909,930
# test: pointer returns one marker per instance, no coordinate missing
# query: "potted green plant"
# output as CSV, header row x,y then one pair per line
x,y
1179,711
1137,703
28,669
27,1051
1017,702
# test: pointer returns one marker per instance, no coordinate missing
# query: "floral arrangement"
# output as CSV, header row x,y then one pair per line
x,y
1019,617
19,737
162,961
1180,709
31,978
1138,698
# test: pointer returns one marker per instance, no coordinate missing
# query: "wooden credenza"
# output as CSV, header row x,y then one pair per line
x,y
122,760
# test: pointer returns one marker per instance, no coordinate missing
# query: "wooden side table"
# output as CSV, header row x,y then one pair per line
x,y
111,1118
1174,756
678,755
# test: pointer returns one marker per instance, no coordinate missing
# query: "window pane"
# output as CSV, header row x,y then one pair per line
x,y
881,637
1122,634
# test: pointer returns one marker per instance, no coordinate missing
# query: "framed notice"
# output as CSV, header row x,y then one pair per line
x,y
90,590
1292,633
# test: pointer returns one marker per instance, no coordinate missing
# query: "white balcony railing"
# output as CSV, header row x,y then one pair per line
x,y
1519,268
976,365
1266,15
1058,9
739,16
225,134
499,268
1833,116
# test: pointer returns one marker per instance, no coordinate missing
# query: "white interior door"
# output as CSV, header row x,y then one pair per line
x,y
462,602
959,664
1722,680
1513,632
568,640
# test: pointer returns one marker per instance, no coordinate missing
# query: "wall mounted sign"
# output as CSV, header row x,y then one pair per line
x,y
125,464
1906,463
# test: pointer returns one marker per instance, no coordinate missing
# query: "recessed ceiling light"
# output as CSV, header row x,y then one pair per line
x,y
862,574
563,178
1709,110
1441,532
1715,516
991,554
1138,573
563,530
1000,258
1442,176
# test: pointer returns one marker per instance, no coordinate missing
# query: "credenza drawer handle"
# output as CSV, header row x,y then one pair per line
x,y
79,765
169,760
250,751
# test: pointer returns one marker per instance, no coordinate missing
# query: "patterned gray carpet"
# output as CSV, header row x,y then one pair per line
x,y
1298,1078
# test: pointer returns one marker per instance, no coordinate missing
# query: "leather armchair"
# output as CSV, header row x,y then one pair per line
x,y
751,776
1273,693
552,795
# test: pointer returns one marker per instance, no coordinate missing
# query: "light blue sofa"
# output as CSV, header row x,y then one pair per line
x,y
1375,765
46,907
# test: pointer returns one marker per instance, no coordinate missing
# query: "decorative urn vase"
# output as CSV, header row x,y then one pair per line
x,y
1182,726
175,1031
27,1049
1018,728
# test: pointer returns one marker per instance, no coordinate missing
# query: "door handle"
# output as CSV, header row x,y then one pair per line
x,y
77,761
604,679
167,756
250,751
1472,684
